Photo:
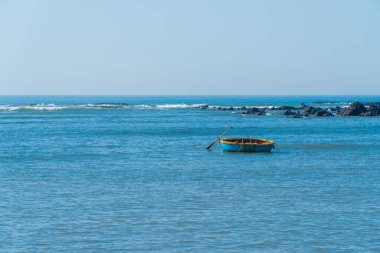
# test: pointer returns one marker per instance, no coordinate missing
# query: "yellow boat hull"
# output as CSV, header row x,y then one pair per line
x,y
247,145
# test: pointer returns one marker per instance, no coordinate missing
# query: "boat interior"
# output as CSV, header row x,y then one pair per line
x,y
247,141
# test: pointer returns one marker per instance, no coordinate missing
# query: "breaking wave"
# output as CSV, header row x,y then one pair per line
x,y
115,106
104,105
32,107
53,107
180,106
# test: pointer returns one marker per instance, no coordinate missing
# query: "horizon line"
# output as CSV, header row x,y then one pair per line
x,y
190,95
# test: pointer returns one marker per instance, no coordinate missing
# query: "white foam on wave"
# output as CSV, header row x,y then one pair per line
x,y
98,106
139,106
53,107
174,106
244,107
142,106
270,107
167,106
105,105
35,107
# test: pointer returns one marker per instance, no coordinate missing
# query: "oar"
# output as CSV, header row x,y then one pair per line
x,y
217,139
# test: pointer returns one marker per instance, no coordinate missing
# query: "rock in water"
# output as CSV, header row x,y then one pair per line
x,y
295,115
335,109
311,110
323,113
289,113
203,107
355,109
254,111
284,107
373,110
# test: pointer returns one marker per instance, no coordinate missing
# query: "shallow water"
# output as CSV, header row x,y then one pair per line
x,y
82,178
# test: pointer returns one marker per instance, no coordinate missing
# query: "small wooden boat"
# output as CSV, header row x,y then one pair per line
x,y
247,145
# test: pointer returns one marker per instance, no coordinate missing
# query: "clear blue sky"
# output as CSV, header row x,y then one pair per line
x,y
141,47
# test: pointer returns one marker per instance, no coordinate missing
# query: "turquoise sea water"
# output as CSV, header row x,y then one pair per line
x,y
93,174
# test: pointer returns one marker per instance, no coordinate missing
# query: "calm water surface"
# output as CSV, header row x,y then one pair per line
x,y
76,176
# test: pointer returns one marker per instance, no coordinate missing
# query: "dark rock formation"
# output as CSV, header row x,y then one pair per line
x,y
323,113
311,110
335,109
289,113
373,110
303,110
317,111
355,109
295,115
299,115
203,107
254,111
284,107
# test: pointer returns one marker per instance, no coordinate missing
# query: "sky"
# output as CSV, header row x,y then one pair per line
x,y
189,47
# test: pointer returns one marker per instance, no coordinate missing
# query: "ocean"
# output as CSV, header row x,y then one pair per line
x,y
132,174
